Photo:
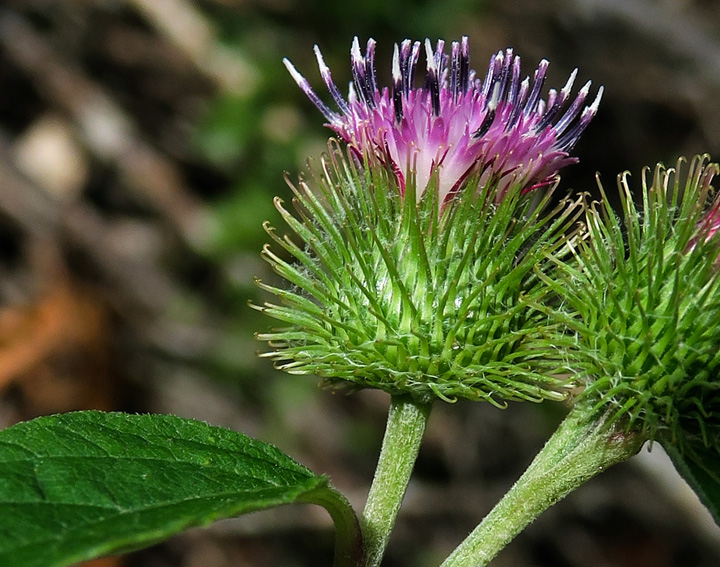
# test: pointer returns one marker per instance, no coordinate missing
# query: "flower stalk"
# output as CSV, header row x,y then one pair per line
x,y
585,444
405,428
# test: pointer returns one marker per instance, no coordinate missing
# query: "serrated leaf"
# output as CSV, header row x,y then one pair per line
x,y
701,469
82,485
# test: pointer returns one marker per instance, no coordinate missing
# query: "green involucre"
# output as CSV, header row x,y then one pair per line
x,y
399,293
643,300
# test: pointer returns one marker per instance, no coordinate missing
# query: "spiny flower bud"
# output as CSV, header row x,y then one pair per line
x,y
644,302
414,254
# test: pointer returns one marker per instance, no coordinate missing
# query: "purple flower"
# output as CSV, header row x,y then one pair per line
x,y
709,224
456,125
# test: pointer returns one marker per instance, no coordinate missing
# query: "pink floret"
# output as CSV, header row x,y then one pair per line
x,y
455,125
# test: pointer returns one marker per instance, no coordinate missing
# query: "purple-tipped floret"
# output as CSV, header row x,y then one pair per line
x,y
455,124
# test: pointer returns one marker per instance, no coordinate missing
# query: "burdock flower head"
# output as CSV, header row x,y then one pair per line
x,y
413,263
644,301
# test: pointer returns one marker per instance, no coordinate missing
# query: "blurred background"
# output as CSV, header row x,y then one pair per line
x,y
141,144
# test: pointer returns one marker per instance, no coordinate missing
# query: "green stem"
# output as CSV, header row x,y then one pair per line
x,y
404,431
584,445
348,537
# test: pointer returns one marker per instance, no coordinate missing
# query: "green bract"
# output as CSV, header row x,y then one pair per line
x,y
644,303
416,297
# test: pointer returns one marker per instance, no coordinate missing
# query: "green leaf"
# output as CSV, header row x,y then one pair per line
x,y
701,469
81,485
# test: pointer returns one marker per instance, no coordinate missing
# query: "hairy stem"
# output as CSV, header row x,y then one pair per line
x,y
584,445
404,431
348,537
